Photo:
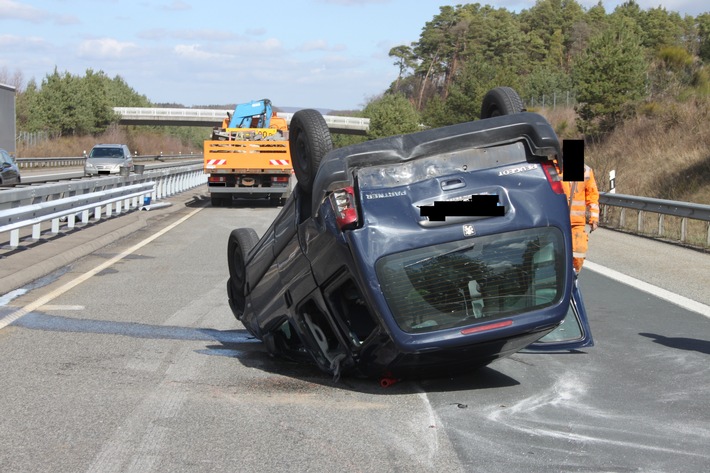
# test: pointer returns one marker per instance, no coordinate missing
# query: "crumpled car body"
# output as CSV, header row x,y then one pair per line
x,y
426,254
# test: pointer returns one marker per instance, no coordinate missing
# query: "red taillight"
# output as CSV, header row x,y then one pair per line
x,y
343,203
279,179
216,179
553,177
483,328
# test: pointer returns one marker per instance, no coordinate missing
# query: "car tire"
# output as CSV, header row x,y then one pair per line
x,y
241,242
501,101
309,140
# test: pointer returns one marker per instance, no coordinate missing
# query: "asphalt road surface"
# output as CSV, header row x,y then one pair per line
x,y
128,359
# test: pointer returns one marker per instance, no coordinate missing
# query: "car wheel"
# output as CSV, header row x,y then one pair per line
x,y
501,101
241,241
309,140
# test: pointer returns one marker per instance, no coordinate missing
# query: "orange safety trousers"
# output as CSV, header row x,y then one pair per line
x,y
580,240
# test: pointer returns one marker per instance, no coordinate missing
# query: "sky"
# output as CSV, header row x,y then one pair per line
x,y
326,54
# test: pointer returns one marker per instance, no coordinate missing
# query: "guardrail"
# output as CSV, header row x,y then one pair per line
x,y
31,163
44,208
689,223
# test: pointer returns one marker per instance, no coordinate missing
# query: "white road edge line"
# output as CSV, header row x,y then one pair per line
x,y
46,299
677,299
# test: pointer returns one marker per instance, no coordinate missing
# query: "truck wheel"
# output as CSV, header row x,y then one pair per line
x,y
501,101
309,139
241,242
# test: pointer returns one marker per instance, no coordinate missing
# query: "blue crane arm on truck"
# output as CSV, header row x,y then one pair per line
x,y
254,114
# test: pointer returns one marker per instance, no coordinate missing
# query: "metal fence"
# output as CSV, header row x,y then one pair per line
x,y
553,100
68,161
670,220
32,212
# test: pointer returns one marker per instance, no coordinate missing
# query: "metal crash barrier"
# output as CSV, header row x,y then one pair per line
x,y
32,206
652,217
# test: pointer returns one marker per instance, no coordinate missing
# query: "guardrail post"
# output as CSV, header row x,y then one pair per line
x,y
85,217
36,231
55,226
622,218
639,222
71,220
15,238
660,225
683,229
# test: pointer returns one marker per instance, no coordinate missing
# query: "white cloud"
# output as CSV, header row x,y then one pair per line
x,y
177,5
317,45
10,9
106,48
193,51
12,41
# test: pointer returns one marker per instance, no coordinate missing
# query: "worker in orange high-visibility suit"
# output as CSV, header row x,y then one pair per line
x,y
583,201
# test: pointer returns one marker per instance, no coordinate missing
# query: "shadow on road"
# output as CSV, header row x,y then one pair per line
x,y
680,343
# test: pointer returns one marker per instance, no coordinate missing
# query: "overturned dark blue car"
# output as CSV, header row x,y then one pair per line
x,y
428,254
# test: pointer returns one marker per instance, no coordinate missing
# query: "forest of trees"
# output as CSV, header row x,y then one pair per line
x,y
611,63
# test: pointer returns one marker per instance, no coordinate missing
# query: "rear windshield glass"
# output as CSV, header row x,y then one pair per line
x,y
464,282
106,153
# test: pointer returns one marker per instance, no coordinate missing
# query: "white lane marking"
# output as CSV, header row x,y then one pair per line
x,y
62,307
47,298
659,292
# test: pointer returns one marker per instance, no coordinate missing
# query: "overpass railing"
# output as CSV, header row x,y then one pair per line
x,y
683,222
35,211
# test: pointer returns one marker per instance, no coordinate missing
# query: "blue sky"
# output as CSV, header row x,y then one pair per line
x,y
329,54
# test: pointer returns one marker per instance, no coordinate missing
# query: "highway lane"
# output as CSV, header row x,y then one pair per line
x,y
141,367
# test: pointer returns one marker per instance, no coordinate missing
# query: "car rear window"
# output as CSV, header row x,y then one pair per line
x,y
477,279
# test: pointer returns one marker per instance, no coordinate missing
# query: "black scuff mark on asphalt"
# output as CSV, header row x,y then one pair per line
x,y
45,322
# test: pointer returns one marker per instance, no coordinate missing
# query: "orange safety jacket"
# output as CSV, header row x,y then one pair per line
x,y
583,198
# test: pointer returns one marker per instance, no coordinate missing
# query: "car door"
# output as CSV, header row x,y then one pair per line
x,y
574,331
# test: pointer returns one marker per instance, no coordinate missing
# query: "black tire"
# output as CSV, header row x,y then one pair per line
x,y
309,140
241,241
501,101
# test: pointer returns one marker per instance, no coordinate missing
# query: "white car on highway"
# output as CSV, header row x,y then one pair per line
x,y
108,159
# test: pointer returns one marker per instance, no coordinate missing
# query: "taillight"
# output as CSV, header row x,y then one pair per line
x,y
343,203
216,179
279,179
553,177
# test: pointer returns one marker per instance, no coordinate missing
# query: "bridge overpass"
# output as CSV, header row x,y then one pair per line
x,y
212,118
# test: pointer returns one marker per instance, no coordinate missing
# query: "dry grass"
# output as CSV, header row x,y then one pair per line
x,y
140,142
664,152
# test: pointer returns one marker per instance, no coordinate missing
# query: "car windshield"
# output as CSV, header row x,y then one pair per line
x,y
464,282
106,153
